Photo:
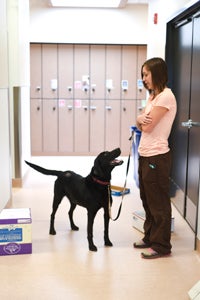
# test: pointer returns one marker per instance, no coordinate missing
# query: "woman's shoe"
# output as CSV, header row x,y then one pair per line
x,y
141,245
151,254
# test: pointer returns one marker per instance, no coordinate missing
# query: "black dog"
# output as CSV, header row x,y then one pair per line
x,y
91,192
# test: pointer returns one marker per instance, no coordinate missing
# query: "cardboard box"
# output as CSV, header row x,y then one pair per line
x,y
119,191
15,231
139,218
194,292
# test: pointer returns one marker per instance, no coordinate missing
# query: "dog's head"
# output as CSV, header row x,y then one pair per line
x,y
105,162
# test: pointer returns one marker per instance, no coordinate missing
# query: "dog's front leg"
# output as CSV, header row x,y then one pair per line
x,y
106,228
91,216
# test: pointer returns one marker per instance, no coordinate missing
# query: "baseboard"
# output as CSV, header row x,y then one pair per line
x,y
197,245
17,182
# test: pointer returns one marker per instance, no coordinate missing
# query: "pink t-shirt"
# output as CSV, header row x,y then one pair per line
x,y
156,142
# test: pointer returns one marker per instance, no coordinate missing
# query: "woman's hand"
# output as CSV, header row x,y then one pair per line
x,y
144,119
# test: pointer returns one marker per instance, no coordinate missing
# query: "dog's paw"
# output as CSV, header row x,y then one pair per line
x,y
52,232
93,248
75,228
108,243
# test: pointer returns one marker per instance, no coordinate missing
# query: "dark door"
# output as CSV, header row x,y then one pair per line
x,y
183,58
194,130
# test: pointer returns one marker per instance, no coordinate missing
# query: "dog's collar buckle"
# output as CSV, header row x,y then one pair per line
x,y
101,182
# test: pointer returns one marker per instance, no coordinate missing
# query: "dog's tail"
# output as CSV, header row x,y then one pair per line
x,y
44,171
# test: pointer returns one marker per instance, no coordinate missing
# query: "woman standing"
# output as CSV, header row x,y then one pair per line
x,y
155,123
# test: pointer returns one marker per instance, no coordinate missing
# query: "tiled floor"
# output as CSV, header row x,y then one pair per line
x,y
61,267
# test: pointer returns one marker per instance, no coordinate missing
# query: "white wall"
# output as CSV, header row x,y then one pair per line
x,y
5,169
5,154
166,10
19,73
99,26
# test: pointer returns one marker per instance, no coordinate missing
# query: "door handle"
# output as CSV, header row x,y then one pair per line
x,y
108,107
190,123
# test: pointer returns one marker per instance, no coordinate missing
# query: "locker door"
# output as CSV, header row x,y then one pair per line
x,y
81,98
65,102
141,57
49,71
97,124
65,124
113,72
50,126
81,72
129,71
112,124
36,70
128,119
36,126
65,71
97,95
97,71
81,126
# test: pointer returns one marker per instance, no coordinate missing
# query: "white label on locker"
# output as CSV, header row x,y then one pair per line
x,y
124,84
109,84
140,84
54,84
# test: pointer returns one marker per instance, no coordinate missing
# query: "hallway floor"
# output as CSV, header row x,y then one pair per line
x,y
61,267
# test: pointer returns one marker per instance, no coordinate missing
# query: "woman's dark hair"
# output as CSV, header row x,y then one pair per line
x,y
158,68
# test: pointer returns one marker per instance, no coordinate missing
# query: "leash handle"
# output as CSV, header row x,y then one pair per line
x,y
125,182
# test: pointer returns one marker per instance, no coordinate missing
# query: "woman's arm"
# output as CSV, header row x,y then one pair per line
x,y
143,119
149,121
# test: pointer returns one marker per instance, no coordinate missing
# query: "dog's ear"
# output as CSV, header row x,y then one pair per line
x,y
97,169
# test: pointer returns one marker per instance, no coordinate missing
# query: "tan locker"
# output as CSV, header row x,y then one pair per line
x,y
128,119
97,71
36,70
129,72
113,72
97,126
65,71
65,124
50,126
142,54
49,71
112,124
81,126
81,72
97,96
36,126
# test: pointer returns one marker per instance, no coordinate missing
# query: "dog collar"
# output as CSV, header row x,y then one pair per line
x,y
100,181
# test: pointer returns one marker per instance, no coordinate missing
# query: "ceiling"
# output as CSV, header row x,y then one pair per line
x,y
94,3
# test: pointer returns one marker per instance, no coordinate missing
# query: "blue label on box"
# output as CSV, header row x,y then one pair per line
x,y
13,235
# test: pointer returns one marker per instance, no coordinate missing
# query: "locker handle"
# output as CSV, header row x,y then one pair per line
x,y
85,107
69,107
54,108
93,107
124,108
108,107
38,108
